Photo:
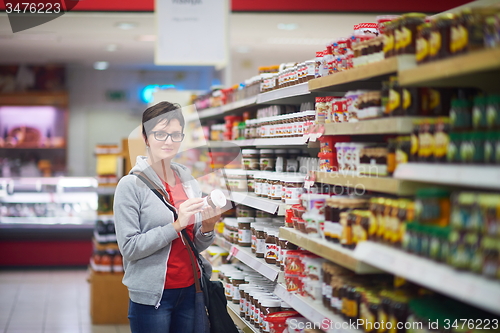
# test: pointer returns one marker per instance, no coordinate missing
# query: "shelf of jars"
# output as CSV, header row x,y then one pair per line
x,y
478,176
264,142
478,69
286,95
390,125
363,77
362,183
328,250
314,312
242,323
245,255
464,286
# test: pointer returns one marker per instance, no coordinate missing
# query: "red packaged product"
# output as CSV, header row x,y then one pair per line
x,y
293,264
293,283
277,320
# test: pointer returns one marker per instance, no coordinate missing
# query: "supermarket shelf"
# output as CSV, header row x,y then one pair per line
x,y
449,174
234,312
251,200
479,69
43,222
396,125
239,104
466,287
314,311
245,255
207,113
220,241
264,142
286,95
371,183
333,252
368,76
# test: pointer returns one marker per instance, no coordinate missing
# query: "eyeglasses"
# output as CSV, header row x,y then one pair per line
x,y
163,136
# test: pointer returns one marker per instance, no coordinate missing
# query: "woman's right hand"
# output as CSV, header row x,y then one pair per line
x,y
186,210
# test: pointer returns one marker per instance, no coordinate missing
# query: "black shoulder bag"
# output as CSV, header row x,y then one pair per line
x,y
213,291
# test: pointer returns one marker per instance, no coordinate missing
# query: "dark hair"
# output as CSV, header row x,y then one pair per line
x,y
158,113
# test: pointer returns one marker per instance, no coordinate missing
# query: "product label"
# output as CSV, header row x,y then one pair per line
x,y
236,293
260,246
271,252
434,43
422,49
244,236
441,141
405,37
388,43
406,99
394,101
254,242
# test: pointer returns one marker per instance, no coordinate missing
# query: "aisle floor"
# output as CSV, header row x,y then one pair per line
x,y
48,301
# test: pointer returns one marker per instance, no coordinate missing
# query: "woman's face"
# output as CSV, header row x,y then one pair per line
x,y
166,149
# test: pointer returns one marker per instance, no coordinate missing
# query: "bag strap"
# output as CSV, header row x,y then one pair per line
x,y
184,236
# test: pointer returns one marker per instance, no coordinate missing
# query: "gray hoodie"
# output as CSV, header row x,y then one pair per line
x,y
145,232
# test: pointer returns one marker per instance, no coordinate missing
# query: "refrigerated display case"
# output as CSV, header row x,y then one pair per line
x,y
47,221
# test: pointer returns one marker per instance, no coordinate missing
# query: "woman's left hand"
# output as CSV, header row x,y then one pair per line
x,y
209,217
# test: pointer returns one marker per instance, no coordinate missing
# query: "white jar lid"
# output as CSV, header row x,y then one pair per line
x,y
267,151
249,151
270,302
245,219
218,198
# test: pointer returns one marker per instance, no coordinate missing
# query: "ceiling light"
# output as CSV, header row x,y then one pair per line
x,y
126,25
288,26
101,65
111,47
242,49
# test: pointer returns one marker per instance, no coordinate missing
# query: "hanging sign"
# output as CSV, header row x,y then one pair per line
x,y
191,32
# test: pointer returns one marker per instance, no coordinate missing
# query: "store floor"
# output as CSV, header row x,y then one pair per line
x,y
48,301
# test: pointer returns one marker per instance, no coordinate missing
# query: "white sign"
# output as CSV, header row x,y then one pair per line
x,y
191,32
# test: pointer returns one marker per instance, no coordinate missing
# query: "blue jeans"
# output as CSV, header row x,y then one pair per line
x,y
175,314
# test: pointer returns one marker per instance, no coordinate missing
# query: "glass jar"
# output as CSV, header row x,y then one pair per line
x,y
250,159
244,231
432,206
408,36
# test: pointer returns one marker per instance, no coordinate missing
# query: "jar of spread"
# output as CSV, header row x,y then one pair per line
x,y
276,187
270,243
250,159
410,23
294,186
268,306
285,246
245,211
422,43
444,25
236,280
250,180
264,185
244,232
241,288
267,159
260,241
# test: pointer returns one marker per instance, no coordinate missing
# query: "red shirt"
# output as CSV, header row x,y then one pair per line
x,y
179,268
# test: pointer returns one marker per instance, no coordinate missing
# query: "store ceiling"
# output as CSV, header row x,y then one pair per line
x,y
84,38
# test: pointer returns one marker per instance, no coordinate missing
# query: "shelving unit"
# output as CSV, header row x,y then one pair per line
x,y
246,256
333,252
364,77
361,183
478,176
392,125
243,103
477,69
266,205
263,142
314,312
234,312
288,95
222,243
464,286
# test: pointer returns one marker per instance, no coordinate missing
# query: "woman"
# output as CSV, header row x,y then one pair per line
x,y
158,270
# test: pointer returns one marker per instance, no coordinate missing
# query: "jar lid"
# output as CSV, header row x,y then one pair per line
x,y
245,219
249,151
270,302
267,151
218,198
260,227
